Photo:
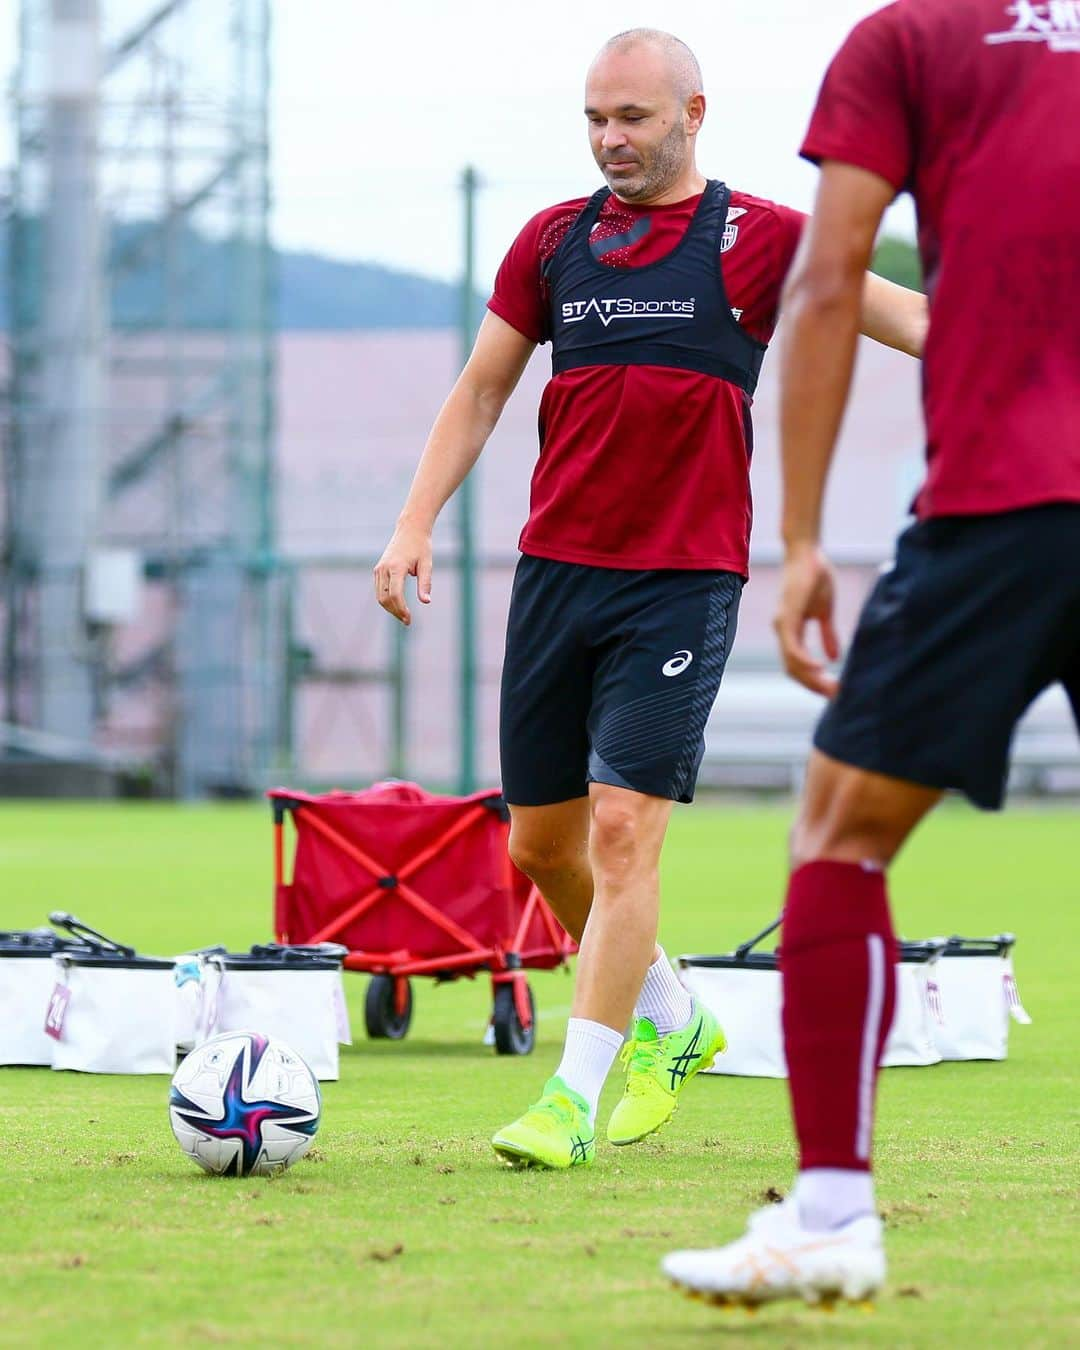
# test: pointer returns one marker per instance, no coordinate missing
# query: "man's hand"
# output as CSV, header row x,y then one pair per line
x,y
408,554
806,596
460,432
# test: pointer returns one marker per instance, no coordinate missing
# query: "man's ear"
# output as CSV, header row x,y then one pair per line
x,y
694,114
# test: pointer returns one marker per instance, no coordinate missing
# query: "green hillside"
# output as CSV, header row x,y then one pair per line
x,y
304,290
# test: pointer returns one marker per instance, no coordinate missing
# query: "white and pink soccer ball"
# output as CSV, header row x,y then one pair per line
x,y
242,1104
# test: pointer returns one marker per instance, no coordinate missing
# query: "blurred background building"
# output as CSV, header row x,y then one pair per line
x,y
205,443
140,613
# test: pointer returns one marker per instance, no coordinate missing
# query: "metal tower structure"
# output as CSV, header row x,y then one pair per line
x,y
142,596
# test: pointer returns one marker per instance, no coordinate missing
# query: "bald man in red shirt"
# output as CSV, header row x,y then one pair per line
x,y
971,106
659,295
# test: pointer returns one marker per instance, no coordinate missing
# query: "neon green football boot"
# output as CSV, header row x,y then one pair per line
x,y
657,1070
555,1132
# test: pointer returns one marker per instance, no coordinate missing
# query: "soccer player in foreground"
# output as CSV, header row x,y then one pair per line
x,y
981,610
659,295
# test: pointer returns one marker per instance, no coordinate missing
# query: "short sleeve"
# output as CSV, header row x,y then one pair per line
x,y
754,272
518,297
863,115
792,224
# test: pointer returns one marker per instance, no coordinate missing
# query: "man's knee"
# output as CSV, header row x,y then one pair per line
x,y
626,834
543,854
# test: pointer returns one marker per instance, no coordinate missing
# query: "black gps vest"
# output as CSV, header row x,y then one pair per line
x,y
672,312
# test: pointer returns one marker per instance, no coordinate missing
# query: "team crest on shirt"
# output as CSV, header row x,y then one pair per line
x,y
731,230
1055,22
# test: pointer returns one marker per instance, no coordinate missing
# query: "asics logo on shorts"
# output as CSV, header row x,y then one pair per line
x,y
677,664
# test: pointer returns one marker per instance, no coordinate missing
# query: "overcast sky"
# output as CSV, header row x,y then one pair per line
x,y
376,107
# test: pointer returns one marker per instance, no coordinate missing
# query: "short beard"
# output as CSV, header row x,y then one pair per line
x,y
659,171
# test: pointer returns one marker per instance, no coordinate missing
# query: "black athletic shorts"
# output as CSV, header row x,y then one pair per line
x,y
609,677
977,617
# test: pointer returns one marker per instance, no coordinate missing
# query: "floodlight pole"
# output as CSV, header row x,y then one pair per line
x,y
470,181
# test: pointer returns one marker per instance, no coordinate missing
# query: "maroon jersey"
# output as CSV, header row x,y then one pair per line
x,y
646,466
973,107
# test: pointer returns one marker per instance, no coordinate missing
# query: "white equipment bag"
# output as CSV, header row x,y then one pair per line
x,y
912,1039
110,1010
953,1001
189,982
743,992
27,977
293,994
978,997
194,982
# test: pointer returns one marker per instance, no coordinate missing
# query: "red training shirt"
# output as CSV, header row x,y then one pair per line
x,y
973,106
643,466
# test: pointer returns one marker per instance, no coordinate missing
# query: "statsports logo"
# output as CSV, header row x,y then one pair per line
x,y
623,307
1056,23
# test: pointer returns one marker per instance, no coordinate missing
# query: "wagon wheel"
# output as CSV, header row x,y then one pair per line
x,y
388,1007
512,1037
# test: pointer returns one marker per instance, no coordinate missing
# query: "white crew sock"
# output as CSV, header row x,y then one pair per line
x,y
829,1197
587,1057
663,1000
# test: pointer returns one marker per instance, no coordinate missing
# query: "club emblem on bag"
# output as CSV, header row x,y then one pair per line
x,y
933,1002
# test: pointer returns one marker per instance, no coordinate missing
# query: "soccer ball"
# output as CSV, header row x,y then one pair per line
x,y
243,1104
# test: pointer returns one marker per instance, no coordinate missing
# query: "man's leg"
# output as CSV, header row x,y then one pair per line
x,y
612,899
621,972
550,844
619,943
643,729
837,959
839,975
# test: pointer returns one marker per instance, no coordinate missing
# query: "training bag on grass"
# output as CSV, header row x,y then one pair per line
x,y
978,998
291,993
110,1010
27,977
192,979
912,1041
742,990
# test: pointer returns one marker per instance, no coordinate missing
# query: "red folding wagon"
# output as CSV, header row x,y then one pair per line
x,y
416,884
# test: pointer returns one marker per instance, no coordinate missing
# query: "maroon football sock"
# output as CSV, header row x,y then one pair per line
x,y
837,958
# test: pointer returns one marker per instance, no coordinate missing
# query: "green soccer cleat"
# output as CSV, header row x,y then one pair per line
x,y
555,1132
657,1070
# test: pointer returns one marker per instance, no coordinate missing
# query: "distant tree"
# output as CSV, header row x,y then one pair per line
x,y
898,260
309,291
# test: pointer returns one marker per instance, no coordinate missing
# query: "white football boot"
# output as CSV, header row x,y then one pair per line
x,y
778,1258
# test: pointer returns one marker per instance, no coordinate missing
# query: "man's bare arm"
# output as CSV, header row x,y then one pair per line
x,y
894,315
823,308
459,434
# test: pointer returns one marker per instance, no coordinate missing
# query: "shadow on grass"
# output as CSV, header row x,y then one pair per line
x,y
416,1047
789,1328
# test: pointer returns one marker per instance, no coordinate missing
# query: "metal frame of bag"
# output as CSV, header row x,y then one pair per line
x,y
27,977
979,998
111,1010
275,990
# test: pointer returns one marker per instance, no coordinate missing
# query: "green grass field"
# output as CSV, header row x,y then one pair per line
x,y
402,1230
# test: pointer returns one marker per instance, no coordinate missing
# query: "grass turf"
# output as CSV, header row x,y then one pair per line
x,y
402,1230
